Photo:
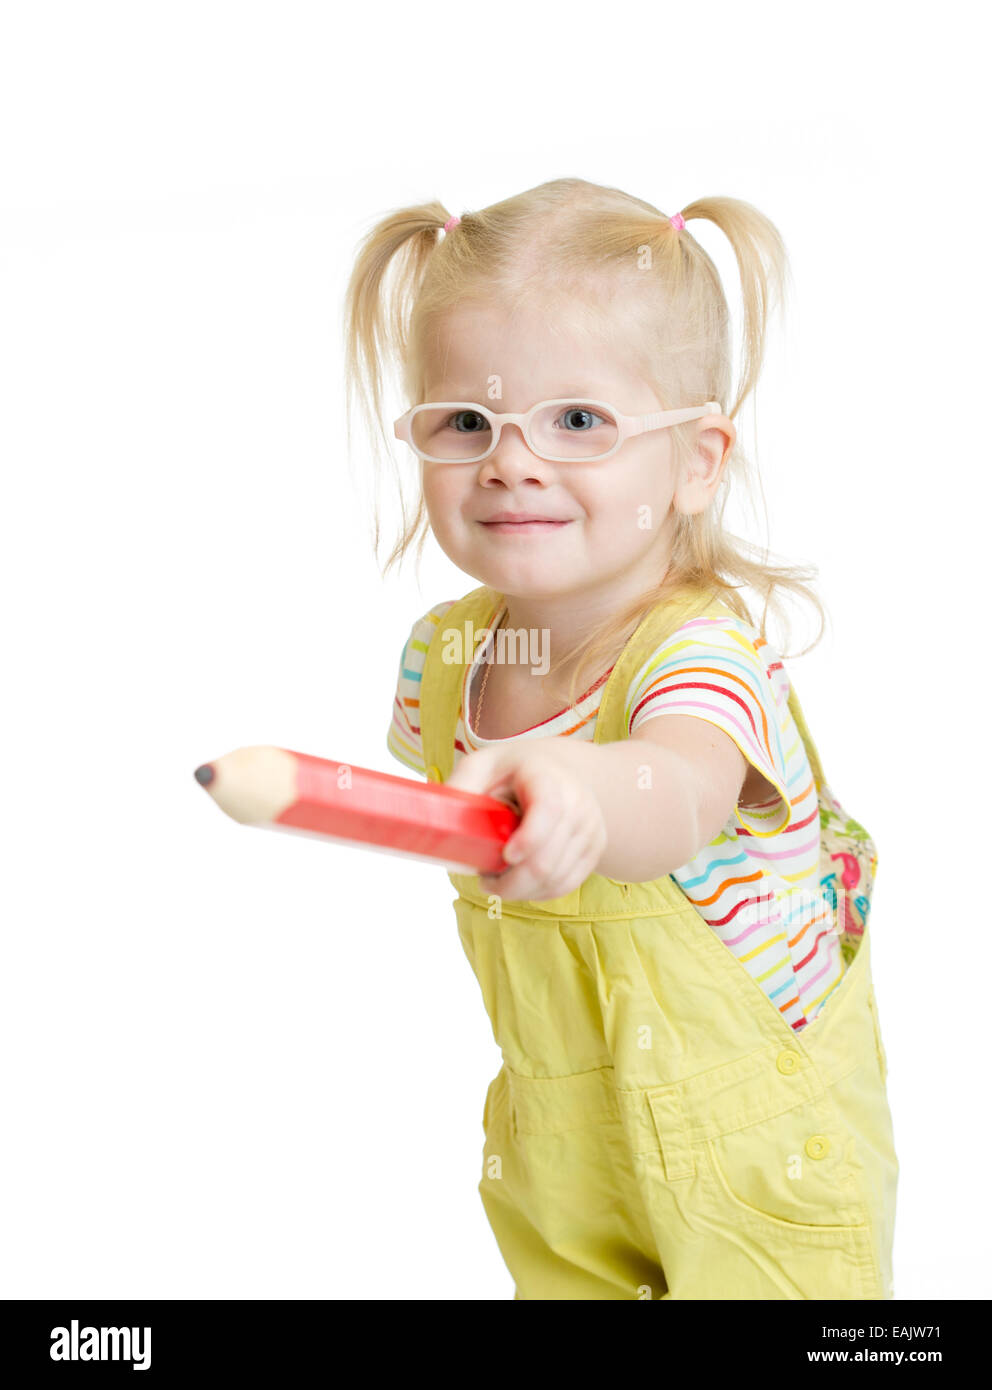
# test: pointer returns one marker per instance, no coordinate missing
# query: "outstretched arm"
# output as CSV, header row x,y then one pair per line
x,y
633,810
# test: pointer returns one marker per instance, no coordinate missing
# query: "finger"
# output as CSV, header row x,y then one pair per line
x,y
575,858
477,772
542,817
573,872
487,772
566,854
526,878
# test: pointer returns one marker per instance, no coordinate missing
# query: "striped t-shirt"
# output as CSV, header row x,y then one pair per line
x,y
757,883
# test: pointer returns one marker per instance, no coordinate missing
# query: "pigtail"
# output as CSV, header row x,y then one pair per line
x,y
766,282
764,271
389,270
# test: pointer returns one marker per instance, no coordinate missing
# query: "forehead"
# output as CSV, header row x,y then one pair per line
x,y
537,354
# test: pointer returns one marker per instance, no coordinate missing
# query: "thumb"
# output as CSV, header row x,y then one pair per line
x,y
482,772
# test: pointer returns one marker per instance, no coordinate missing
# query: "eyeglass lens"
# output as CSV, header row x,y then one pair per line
x,y
576,430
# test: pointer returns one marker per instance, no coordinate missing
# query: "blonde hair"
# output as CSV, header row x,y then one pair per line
x,y
574,243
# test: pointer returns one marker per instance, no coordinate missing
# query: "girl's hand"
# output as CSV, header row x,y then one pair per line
x,y
562,835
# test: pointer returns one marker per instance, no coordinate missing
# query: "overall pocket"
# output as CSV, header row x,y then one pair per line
x,y
785,1206
794,1168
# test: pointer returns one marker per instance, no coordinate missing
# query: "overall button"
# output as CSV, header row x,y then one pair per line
x,y
817,1146
433,773
788,1062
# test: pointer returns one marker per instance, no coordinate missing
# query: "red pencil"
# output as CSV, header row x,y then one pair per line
x,y
279,789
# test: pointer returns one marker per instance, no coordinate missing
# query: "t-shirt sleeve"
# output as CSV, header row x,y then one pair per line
x,y
721,670
403,739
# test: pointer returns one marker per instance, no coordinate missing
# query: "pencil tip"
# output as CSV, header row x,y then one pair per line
x,y
204,774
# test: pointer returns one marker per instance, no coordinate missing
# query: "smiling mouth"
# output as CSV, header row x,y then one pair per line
x,y
524,527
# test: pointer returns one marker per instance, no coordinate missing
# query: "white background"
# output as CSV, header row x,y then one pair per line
x,y
242,1064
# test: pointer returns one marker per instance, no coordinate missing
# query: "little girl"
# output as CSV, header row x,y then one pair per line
x,y
675,960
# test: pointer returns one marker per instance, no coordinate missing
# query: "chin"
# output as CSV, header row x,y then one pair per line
x,y
530,582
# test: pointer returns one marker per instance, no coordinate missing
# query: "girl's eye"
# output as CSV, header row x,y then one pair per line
x,y
580,419
473,422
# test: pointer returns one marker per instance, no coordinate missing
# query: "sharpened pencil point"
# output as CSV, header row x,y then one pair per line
x,y
204,774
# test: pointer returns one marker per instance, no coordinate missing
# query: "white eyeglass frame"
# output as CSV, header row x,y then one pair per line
x,y
627,425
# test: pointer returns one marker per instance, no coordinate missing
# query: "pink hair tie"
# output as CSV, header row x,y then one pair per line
x,y
678,221
451,222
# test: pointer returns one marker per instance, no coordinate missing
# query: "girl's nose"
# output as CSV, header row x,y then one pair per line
x,y
513,458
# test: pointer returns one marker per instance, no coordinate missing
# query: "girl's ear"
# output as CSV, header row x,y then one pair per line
x,y
715,437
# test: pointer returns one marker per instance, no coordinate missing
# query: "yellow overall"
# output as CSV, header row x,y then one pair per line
x,y
657,1129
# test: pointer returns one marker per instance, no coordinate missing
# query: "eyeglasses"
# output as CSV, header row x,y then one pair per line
x,y
453,431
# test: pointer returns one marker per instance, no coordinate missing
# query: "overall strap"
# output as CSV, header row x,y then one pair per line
x,y
816,767
451,649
